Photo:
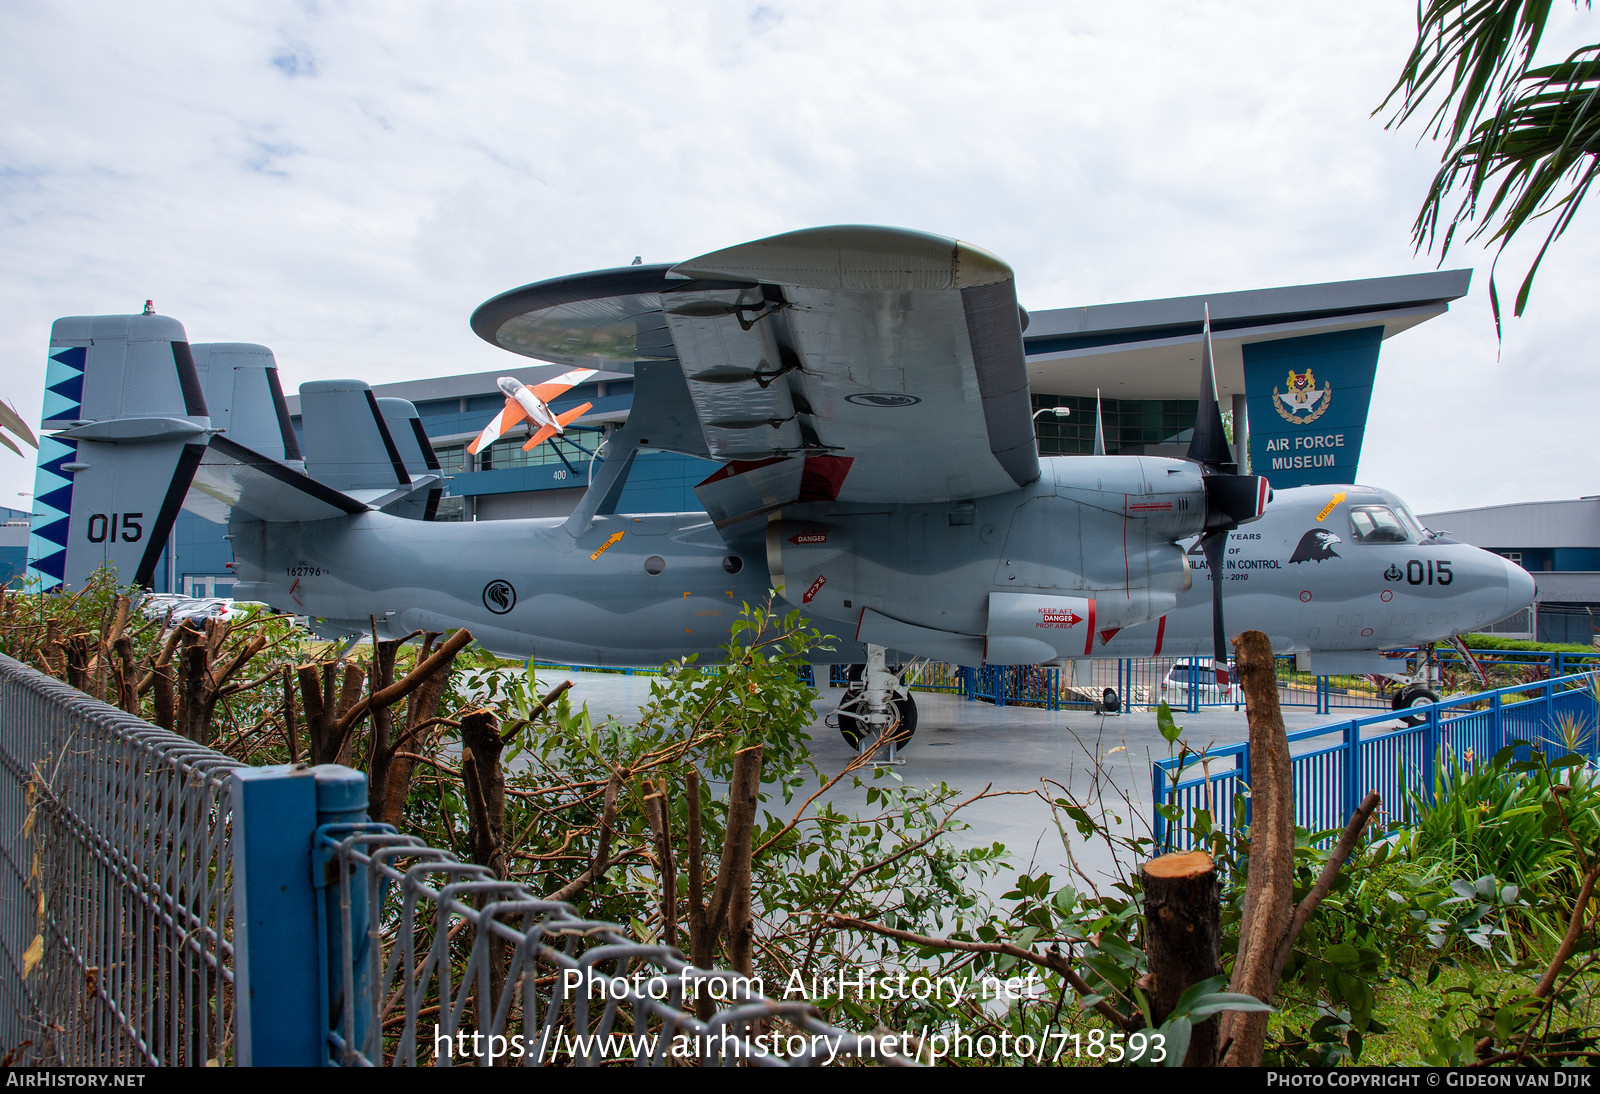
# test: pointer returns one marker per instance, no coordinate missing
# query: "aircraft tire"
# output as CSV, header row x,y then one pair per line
x,y
1413,695
850,727
1110,702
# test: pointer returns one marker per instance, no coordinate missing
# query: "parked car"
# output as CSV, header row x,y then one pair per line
x,y
198,608
1198,673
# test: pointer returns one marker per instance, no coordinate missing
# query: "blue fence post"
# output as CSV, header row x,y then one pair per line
x,y
1352,770
1158,792
277,982
1430,762
1241,763
342,799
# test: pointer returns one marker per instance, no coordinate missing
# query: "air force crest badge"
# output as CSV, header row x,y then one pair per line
x,y
1303,402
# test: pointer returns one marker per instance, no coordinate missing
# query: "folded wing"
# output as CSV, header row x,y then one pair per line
x,y
886,364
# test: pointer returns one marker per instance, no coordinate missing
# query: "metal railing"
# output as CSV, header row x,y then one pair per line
x,y
163,905
115,884
1138,681
511,979
1336,765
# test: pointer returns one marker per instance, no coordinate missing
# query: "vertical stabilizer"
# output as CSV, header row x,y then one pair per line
x,y
416,453
127,413
244,396
348,445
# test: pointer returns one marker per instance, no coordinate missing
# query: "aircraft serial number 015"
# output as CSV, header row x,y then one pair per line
x,y
114,526
1418,573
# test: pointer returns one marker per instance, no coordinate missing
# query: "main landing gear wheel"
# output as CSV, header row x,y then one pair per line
x,y
855,729
1413,695
1110,702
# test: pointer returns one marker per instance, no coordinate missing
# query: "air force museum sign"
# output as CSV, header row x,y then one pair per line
x,y
1308,400
1296,363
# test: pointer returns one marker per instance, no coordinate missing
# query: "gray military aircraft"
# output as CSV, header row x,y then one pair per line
x,y
866,393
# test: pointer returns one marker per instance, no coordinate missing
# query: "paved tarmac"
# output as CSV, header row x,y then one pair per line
x,y
972,745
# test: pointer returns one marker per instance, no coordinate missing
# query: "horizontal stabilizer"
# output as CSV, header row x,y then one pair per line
x,y
549,431
574,414
232,482
544,434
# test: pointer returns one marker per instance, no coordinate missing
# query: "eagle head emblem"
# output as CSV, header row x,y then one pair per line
x,y
1315,545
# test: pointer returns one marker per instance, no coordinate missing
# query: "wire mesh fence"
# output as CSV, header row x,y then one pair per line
x,y
115,884
463,968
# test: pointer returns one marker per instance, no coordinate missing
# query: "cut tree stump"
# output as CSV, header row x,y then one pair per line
x,y
1183,940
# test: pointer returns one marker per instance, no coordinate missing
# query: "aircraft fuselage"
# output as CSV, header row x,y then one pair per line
x,y
948,581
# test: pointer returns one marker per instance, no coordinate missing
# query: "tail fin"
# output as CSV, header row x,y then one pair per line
x,y
128,412
348,445
245,399
416,452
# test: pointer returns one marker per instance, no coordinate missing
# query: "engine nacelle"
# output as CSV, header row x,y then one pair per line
x,y
1030,628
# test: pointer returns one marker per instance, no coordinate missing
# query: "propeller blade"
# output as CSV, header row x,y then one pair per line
x,y
1099,427
11,420
1215,546
1209,445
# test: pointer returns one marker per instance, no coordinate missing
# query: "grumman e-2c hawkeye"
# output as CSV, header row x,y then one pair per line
x,y
866,393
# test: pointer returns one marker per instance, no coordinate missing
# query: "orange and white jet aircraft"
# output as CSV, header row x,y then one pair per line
x,y
533,403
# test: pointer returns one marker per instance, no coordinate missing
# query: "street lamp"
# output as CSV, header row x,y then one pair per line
x,y
1058,411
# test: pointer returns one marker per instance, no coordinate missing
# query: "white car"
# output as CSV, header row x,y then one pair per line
x,y
1198,673
198,608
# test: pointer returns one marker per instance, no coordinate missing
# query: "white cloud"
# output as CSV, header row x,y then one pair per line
x,y
345,182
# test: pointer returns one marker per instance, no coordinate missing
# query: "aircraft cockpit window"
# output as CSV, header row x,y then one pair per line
x,y
1413,525
1378,524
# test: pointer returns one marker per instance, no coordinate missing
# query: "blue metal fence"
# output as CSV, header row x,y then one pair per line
x,y
1139,681
1336,765
116,885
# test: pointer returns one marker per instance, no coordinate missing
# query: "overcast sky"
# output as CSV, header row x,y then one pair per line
x,y
345,182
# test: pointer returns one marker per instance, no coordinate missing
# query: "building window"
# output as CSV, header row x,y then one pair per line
x,y
1130,424
452,458
507,454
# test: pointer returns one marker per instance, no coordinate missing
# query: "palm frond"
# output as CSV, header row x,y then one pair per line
x,y
1475,50
1536,156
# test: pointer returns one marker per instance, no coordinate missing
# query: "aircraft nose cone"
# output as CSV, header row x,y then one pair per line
x,y
1519,588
